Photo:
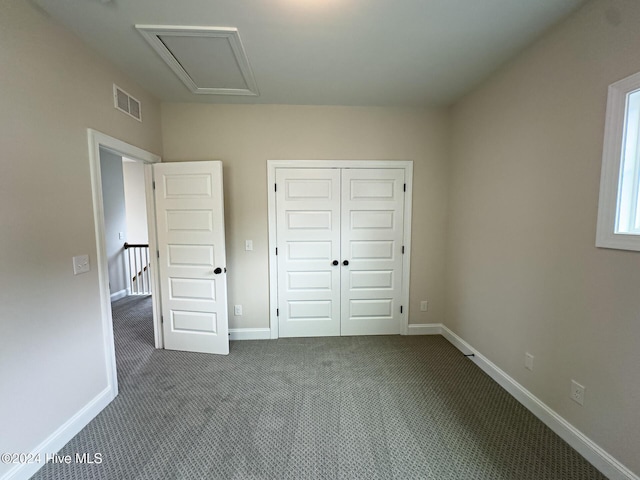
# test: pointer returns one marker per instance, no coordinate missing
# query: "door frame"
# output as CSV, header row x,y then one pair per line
x,y
97,140
272,165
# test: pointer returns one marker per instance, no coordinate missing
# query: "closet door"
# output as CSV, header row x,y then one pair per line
x,y
372,229
308,243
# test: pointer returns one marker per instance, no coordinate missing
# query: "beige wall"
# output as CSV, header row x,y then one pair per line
x,y
135,202
523,272
245,137
52,359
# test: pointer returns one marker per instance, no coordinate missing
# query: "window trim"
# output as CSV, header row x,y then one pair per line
x,y
606,236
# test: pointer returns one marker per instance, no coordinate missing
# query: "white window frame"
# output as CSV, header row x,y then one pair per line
x,y
610,179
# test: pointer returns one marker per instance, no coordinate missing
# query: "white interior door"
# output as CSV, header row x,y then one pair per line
x,y
372,232
190,230
308,243
339,261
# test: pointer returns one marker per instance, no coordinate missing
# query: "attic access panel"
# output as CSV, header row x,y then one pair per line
x,y
208,60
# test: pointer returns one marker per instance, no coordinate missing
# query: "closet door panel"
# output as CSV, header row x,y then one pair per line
x,y
372,227
308,242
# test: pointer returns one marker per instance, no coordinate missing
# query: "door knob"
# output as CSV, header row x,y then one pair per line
x,y
345,263
335,262
217,271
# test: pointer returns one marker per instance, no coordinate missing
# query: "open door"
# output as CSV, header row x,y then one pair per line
x,y
191,256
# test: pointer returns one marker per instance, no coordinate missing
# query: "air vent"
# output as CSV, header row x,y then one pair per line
x,y
126,103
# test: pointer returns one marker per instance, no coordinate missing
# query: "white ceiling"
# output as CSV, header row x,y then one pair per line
x,y
326,52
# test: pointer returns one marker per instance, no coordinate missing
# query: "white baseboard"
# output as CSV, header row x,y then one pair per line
x,y
424,329
58,439
118,295
599,458
249,333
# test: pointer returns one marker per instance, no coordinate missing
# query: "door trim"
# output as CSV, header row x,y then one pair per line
x,y
272,165
96,140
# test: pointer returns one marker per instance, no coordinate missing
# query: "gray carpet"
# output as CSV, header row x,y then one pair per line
x,y
327,408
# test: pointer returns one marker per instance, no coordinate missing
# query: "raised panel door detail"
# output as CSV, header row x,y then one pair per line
x,y
371,279
201,322
191,255
371,308
316,220
177,186
306,251
310,309
309,281
361,219
308,189
192,289
189,220
372,250
372,189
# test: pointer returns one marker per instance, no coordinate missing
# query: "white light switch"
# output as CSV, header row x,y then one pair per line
x,y
120,235
248,245
81,264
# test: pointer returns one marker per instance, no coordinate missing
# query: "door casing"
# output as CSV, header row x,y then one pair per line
x,y
272,165
96,141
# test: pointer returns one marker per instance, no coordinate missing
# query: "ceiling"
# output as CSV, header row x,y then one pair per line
x,y
322,52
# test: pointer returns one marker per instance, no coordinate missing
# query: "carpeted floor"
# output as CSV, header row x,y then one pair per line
x,y
327,408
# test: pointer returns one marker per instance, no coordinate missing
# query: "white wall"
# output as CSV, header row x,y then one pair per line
x,y
524,274
245,137
115,218
52,355
135,202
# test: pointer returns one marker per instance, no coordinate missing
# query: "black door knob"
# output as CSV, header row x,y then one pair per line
x,y
345,263
335,262
217,271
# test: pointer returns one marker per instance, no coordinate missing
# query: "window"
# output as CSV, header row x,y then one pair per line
x,y
619,208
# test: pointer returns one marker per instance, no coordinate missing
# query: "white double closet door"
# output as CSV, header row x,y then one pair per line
x,y
340,246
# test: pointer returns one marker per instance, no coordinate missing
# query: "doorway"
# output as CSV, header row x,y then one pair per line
x,y
97,142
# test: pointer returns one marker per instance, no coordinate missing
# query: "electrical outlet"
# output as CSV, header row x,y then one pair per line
x,y
577,392
81,264
424,306
237,310
528,361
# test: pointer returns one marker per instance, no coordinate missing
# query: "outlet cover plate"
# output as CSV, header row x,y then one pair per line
x,y
528,361
577,392
81,264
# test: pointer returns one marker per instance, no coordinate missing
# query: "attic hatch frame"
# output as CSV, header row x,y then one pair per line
x,y
152,34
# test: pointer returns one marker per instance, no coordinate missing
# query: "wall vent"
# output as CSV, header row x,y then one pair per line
x,y
126,103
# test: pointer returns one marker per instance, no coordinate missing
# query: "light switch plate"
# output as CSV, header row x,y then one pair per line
x,y
248,245
81,264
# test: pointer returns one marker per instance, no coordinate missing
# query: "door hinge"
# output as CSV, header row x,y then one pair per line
x,y
277,312
404,189
276,250
162,319
400,308
275,187
403,249
158,253
154,184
